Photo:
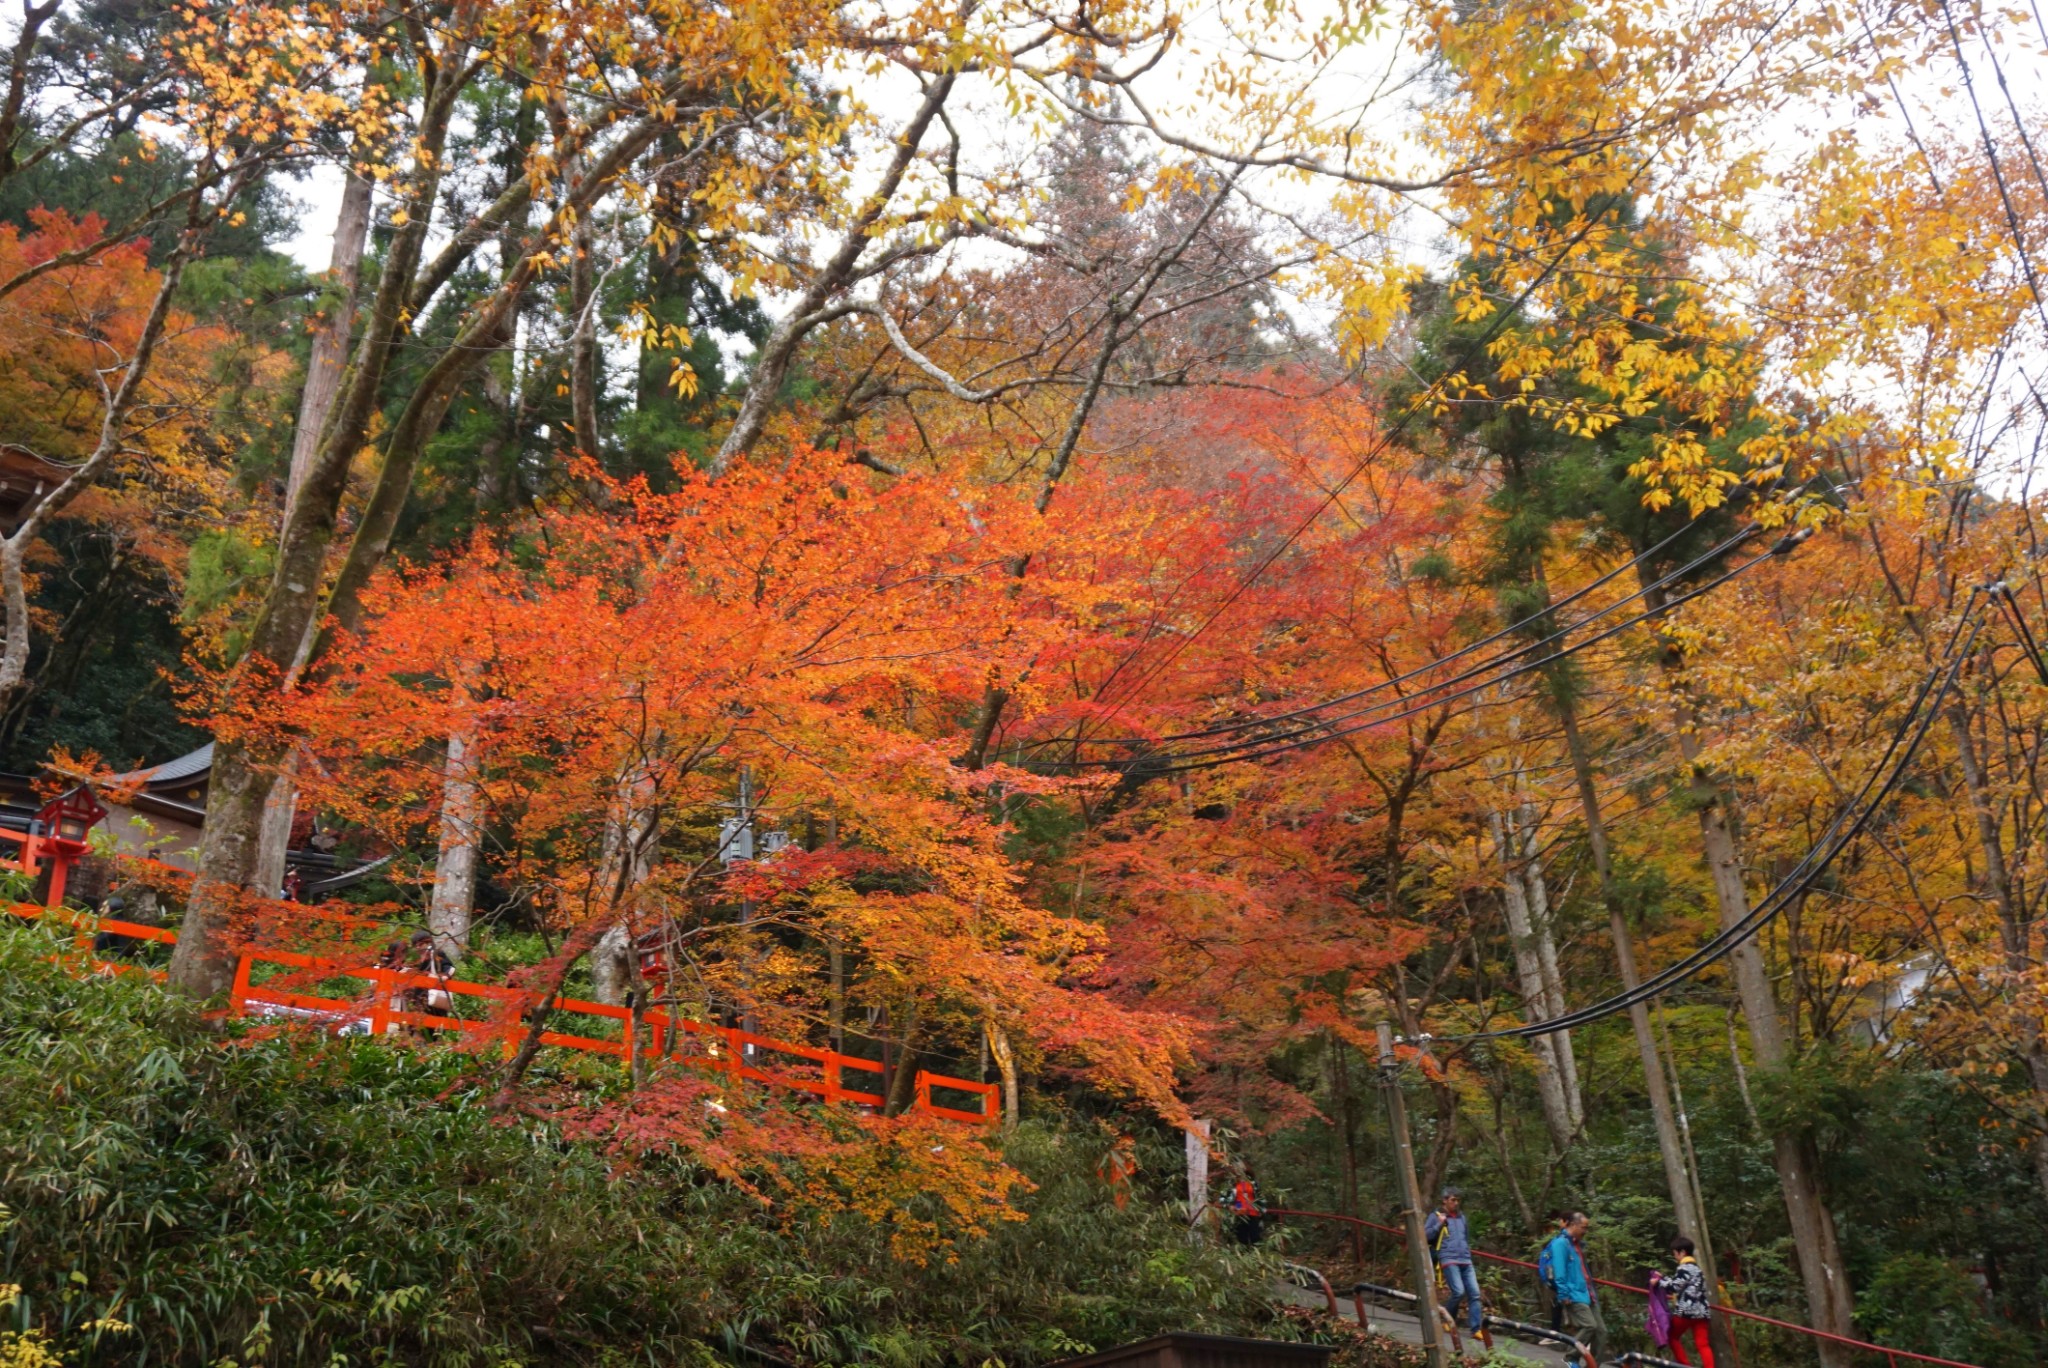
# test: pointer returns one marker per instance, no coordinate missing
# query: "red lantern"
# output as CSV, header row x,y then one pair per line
x,y
68,817
60,838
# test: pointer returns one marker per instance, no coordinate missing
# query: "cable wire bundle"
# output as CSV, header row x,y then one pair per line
x,y
1848,822
1262,737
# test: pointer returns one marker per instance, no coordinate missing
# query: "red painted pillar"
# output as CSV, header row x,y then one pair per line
x,y
238,996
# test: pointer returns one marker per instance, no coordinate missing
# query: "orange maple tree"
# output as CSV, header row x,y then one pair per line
x,y
827,631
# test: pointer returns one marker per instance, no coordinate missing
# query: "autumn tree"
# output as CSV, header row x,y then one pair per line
x,y
779,620
198,117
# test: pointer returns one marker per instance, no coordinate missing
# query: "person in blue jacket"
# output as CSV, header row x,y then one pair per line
x,y
1452,1245
1564,1260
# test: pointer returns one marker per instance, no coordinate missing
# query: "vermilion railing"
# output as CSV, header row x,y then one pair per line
x,y
1891,1355
35,851
721,1051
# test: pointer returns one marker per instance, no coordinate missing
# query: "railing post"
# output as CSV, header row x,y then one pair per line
x,y
380,1001
923,1089
238,996
833,1085
632,1032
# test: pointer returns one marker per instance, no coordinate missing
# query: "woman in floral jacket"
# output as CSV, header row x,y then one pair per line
x,y
1686,1289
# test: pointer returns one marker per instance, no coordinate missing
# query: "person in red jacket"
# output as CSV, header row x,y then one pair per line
x,y
1247,1221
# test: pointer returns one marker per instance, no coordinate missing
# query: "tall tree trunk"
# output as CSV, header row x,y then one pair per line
x,y
330,344
243,772
1529,865
611,965
625,863
836,1008
902,1092
324,371
1005,1056
583,352
1550,1091
274,831
454,897
1340,1089
1677,1180
1830,1301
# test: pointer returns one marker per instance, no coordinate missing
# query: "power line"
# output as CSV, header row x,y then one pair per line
x,y
1325,731
1613,198
1533,621
2002,594
1507,656
1884,777
2012,106
1386,439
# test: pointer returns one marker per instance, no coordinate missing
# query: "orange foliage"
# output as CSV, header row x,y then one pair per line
x,y
61,332
830,631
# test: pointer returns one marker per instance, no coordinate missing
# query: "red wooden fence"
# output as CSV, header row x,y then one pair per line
x,y
720,1051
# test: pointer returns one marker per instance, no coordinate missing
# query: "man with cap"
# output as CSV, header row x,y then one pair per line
x,y
1448,1241
1566,1258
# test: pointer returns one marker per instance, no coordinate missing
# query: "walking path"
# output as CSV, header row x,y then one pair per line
x,y
1402,1326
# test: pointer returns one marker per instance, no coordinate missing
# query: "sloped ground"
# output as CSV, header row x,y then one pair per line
x,y
1400,1325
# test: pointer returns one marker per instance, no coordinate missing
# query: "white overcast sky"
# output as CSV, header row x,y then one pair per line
x,y
1934,98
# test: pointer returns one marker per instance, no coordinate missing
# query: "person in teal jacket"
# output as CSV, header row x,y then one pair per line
x,y
1565,1262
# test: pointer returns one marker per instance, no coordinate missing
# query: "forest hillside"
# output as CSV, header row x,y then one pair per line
x,y
949,683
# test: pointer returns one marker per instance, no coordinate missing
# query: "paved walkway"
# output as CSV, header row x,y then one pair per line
x,y
1401,1325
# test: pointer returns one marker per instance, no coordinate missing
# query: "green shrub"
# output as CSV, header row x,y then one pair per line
x,y
287,1200
1928,1305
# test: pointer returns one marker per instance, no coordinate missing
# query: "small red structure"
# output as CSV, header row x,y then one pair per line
x,y
57,837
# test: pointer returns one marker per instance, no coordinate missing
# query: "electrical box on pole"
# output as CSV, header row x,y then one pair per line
x,y
1420,1265
735,840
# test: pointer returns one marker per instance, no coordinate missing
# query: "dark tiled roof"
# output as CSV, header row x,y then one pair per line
x,y
180,770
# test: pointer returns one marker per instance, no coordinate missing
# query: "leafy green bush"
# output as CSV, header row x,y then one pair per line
x,y
286,1200
1928,1305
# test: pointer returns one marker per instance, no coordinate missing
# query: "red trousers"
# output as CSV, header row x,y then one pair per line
x,y
1683,1326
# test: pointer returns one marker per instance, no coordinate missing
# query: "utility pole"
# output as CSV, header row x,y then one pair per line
x,y
1411,1202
